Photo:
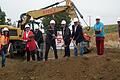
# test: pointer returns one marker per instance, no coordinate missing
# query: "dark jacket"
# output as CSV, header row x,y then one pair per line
x,y
66,33
78,34
38,36
49,35
119,30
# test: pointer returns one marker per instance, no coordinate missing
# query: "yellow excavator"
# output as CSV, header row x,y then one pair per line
x,y
16,33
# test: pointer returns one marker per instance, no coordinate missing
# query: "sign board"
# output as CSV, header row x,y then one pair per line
x,y
60,42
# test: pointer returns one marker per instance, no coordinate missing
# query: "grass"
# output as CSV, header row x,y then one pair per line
x,y
108,29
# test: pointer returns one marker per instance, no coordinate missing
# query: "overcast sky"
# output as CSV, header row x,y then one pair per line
x,y
108,10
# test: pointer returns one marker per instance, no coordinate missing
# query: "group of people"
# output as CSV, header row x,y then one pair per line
x,y
35,40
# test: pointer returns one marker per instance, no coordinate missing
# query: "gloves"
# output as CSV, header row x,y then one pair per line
x,y
97,32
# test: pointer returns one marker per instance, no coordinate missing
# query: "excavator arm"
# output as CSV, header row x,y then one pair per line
x,y
36,14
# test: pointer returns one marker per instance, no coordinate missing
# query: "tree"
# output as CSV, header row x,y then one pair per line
x,y
2,17
58,17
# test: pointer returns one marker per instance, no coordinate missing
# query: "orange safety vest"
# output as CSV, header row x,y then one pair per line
x,y
4,40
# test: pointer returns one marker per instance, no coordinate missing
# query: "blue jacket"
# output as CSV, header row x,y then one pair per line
x,y
97,28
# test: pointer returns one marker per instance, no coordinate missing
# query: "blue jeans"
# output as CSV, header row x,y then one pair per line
x,y
4,52
81,44
75,51
81,48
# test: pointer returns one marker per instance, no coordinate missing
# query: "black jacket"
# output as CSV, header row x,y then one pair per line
x,y
78,34
66,33
38,36
49,35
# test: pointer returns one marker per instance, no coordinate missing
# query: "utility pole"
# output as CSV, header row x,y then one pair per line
x,y
89,17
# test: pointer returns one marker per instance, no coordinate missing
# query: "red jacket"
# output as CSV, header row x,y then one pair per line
x,y
25,37
31,43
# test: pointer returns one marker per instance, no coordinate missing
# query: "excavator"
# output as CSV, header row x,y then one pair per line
x,y
16,33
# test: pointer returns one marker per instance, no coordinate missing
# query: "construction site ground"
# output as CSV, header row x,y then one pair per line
x,y
89,67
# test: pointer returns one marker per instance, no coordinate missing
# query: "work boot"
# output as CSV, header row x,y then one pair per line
x,y
3,65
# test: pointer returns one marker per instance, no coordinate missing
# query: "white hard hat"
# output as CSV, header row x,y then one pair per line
x,y
5,29
97,17
52,22
75,20
63,22
118,19
36,26
27,26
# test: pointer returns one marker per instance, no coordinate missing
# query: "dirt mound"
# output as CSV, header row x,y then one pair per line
x,y
88,67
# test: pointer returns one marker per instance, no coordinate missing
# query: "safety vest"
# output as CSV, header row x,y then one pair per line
x,y
4,40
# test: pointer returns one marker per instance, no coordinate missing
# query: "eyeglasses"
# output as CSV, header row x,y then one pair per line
x,y
97,19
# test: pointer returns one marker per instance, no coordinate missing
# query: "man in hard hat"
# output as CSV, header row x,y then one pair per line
x,y
4,40
118,21
100,35
66,33
40,42
50,39
28,37
77,36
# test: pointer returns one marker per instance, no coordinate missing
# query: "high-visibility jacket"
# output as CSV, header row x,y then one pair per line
x,y
31,44
3,40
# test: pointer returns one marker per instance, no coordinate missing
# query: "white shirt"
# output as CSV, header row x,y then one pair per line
x,y
75,28
27,34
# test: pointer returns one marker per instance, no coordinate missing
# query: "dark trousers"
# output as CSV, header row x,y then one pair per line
x,y
67,51
100,45
48,45
31,54
39,53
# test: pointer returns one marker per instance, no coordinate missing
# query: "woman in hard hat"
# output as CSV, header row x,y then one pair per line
x,y
28,37
100,35
50,40
4,40
66,37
